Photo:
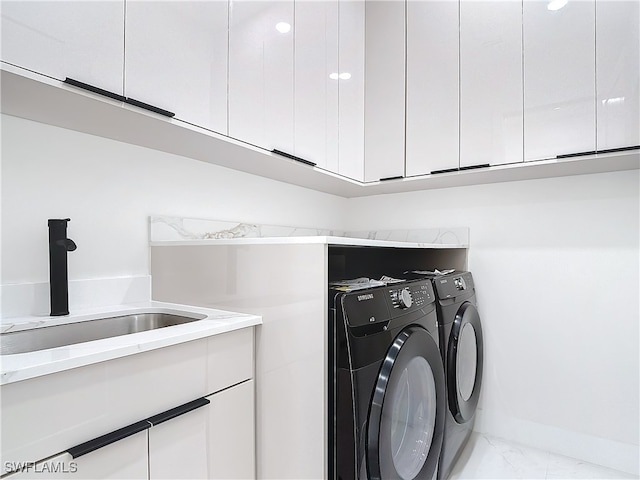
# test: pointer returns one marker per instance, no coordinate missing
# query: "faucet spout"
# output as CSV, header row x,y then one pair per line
x,y
59,245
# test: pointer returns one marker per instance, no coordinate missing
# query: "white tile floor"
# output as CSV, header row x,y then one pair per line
x,y
489,457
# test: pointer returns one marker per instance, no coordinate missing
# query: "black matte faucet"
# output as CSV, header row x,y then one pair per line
x,y
59,245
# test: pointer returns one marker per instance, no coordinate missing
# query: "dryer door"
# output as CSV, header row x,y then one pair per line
x,y
406,417
464,363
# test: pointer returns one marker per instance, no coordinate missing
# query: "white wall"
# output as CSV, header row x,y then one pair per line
x,y
556,264
109,189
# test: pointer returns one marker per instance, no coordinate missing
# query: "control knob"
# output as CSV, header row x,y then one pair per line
x,y
402,298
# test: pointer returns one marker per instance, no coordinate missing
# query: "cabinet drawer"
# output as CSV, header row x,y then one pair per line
x,y
229,359
46,415
125,459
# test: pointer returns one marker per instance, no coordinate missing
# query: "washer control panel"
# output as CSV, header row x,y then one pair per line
x,y
381,304
415,294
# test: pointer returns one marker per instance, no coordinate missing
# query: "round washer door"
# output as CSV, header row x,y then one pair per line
x,y
406,415
464,363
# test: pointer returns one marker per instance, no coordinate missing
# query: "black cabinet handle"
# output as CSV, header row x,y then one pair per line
x,y
91,88
108,439
177,411
151,108
397,177
293,157
472,167
122,433
579,154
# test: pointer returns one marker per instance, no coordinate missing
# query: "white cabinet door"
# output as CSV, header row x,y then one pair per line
x,y
384,89
351,54
491,82
316,82
231,433
559,78
79,40
178,447
618,69
261,73
125,459
432,86
176,58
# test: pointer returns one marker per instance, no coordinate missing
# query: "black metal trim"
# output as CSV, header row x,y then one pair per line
x,y
177,411
579,154
473,167
151,108
108,439
293,157
620,149
93,89
446,170
463,410
397,177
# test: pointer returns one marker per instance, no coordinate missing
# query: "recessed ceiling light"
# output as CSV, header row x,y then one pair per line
x,y
556,4
283,27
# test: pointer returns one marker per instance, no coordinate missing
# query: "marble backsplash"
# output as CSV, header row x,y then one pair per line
x,y
167,229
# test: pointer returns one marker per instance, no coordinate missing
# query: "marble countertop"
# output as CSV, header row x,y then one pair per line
x,y
22,366
317,239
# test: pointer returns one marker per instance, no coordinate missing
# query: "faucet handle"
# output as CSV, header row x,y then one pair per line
x,y
68,244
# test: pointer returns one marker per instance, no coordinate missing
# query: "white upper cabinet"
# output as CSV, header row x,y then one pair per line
x,y
384,89
176,58
432,135
80,40
618,70
316,82
261,78
351,54
559,78
491,92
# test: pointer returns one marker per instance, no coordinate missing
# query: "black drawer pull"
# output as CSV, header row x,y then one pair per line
x,y
177,411
151,108
91,88
472,167
445,170
293,157
397,177
108,439
620,149
579,154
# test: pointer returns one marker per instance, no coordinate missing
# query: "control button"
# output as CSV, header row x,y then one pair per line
x,y
459,283
402,298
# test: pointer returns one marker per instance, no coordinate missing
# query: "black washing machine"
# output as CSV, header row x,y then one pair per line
x,y
387,399
461,345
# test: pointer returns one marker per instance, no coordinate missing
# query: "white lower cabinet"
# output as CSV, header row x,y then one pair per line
x,y
211,436
125,459
178,447
231,433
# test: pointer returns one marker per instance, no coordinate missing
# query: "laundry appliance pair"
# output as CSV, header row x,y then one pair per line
x,y
404,371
